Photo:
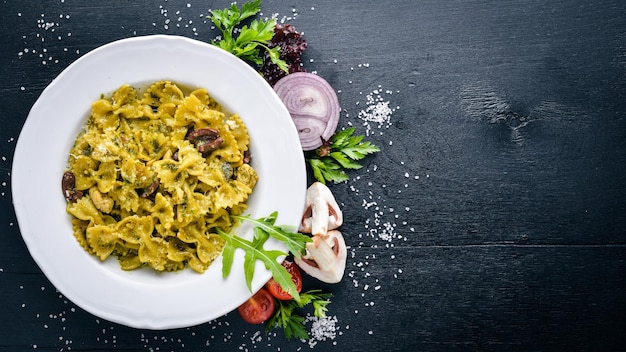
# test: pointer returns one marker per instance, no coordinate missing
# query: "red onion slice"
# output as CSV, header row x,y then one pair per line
x,y
313,106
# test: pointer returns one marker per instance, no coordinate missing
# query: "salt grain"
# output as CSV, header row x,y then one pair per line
x,y
322,329
377,113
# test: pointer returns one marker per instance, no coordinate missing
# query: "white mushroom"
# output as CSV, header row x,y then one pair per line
x,y
325,257
321,212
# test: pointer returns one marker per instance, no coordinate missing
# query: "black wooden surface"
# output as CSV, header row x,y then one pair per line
x,y
492,220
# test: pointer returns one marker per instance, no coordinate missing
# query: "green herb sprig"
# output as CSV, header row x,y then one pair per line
x,y
246,41
264,228
288,318
342,150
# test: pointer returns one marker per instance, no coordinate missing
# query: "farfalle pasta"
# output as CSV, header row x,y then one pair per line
x,y
153,174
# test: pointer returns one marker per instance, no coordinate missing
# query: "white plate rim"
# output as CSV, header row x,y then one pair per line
x,y
42,208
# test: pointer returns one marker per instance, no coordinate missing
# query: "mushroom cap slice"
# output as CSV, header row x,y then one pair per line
x,y
321,212
325,257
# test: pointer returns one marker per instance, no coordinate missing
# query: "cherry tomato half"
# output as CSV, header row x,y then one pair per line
x,y
258,308
296,277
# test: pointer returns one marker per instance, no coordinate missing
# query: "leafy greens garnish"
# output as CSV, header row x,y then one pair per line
x,y
246,42
342,150
292,323
294,241
264,228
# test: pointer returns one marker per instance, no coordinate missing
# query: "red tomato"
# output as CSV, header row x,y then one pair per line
x,y
296,277
258,308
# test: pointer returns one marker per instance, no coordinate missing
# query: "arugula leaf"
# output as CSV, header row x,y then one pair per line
x,y
292,323
253,251
250,39
294,241
343,150
264,228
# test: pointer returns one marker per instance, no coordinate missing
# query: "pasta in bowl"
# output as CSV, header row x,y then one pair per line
x,y
134,297
154,174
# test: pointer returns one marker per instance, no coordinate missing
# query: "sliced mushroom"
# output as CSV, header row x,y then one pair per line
x,y
321,212
68,185
205,139
151,189
246,157
325,257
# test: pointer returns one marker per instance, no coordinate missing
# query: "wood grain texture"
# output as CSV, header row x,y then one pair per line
x,y
493,218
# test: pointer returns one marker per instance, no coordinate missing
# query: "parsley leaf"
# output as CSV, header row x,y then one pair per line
x,y
285,318
264,228
250,38
343,150
292,323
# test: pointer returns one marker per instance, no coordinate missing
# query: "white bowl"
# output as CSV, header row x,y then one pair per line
x,y
143,298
